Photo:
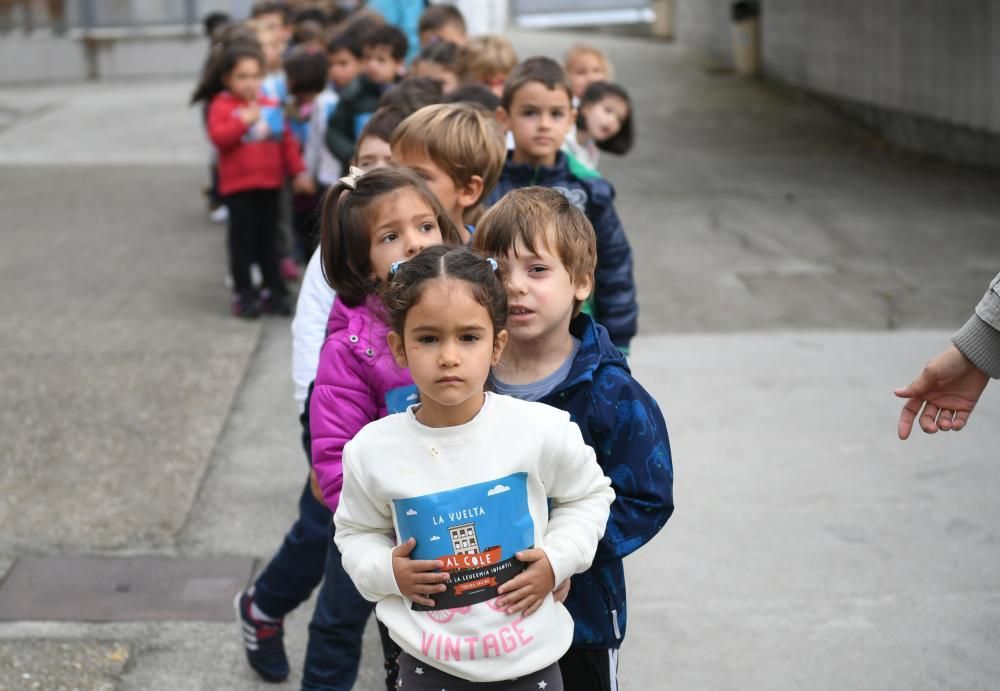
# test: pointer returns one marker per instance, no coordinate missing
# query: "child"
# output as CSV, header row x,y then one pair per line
x,y
369,222
603,123
459,151
537,110
460,516
373,149
305,70
584,65
442,23
556,355
343,58
439,62
253,165
486,60
384,49
273,17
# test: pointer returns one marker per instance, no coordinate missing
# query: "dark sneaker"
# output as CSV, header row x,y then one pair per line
x,y
245,306
263,641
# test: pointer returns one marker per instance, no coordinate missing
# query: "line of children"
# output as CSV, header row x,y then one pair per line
x,y
550,258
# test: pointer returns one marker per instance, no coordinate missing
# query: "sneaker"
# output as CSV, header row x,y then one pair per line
x,y
289,269
262,640
245,306
220,214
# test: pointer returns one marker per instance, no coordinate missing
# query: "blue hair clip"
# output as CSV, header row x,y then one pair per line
x,y
493,263
395,267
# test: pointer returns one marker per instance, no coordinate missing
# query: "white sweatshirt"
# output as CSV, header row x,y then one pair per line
x,y
472,496
312,312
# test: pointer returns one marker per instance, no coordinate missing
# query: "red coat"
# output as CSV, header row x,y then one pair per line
x,y
249,165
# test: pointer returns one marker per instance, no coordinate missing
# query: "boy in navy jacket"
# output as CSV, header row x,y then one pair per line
x,y
537,109
548,252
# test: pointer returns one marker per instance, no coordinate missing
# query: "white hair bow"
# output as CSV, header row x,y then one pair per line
x,y
351,179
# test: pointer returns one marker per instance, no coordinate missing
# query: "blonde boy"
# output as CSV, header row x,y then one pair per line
x,y
486,60
459,150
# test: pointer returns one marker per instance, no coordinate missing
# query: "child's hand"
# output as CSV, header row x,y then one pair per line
x,y
528,590
303,184
314,486
250,113
417,579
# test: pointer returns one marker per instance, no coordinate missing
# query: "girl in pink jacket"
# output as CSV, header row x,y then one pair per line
x,y
370,221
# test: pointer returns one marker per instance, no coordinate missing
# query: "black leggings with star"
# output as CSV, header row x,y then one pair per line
x,y
417,675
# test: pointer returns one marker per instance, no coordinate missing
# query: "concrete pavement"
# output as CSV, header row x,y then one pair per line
x,y
784,261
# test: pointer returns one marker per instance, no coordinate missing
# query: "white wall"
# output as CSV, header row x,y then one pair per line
x,y
938,59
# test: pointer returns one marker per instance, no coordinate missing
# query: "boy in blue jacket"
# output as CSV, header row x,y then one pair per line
x,y
548,252
537,109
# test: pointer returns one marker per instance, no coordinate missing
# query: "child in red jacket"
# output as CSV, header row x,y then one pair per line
x,y
256,152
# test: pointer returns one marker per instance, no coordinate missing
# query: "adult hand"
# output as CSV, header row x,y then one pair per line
x,y
948,389
417,579
528,589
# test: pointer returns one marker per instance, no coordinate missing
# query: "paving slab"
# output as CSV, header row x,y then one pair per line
x,y
60,665
810,547
134,588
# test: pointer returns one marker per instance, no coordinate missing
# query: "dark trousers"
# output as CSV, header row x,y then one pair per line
x,y
590,670
335,632
297,568
253,228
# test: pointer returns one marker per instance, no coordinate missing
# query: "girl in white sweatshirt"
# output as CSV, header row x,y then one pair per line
x,y
460,516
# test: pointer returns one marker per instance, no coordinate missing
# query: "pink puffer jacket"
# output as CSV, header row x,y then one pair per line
x,y
356,373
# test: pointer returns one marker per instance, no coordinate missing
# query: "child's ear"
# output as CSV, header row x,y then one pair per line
x,y
502,117
499,343
397,347
582,287
470,191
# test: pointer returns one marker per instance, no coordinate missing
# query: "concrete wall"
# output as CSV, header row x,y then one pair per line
x,y
914,68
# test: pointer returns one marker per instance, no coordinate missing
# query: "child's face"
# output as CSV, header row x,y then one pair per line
x,y
373,153
541,293
244,79
273,46
403,225
449,347
441,184
584,70
539,118
437,72
380,66
604,119
343,68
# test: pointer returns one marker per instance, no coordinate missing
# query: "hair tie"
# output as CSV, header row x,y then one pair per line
x,y
493,263
350,180
395,267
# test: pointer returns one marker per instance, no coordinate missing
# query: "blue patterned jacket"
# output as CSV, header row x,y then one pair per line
x,y
624,426
614,300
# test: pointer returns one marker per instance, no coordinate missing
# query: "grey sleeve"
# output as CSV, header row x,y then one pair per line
x,y
979,339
